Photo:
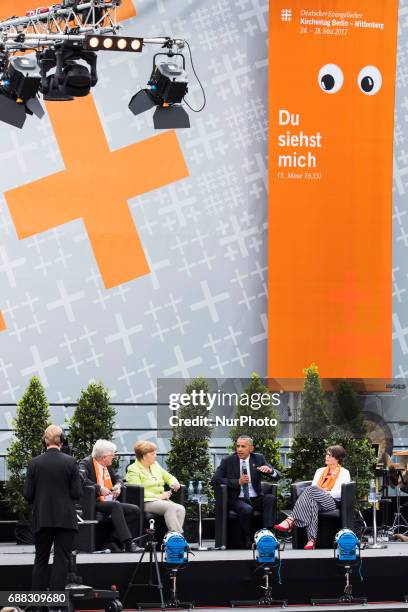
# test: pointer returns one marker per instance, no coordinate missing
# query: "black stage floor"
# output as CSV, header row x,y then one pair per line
x,y
213,578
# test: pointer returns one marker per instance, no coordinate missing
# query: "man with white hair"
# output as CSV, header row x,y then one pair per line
x,y
97,470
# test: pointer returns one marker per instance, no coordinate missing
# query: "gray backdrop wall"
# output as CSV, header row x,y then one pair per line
x,y
203,308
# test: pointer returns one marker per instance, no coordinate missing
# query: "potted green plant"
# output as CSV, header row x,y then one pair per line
x,y
350,431
189,455
264,437
93,419
32,418
311,439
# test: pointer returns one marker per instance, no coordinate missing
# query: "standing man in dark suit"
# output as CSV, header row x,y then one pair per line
x,y
53,485
242,472
97,470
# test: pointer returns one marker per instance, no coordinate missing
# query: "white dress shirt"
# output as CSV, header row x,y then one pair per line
x,y
343,478
252,492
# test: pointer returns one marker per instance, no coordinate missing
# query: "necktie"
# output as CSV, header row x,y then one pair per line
x,y
245,487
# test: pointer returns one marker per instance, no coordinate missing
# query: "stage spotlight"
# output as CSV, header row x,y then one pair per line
x,y
19,85
266,552
266,546
113,43
136,44
175,551
166,89
94,42
346,545
70,79
175,548
347,553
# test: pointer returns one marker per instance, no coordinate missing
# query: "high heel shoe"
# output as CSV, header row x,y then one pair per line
x,y
311,545
286,525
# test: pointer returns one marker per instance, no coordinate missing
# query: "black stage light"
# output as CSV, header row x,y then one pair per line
x,y
166,89
19,85
70,79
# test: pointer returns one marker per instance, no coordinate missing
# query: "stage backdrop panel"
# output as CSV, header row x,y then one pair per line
x,y
332,86
202,307
129,254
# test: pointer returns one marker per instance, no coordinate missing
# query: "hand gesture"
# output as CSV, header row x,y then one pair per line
x,y
175,486
265,469
165,495
105,491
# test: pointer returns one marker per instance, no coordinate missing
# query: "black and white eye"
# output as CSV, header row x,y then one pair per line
x,y
330,78
369,80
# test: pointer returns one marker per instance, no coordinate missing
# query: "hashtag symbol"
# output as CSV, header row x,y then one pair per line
x,y
286,15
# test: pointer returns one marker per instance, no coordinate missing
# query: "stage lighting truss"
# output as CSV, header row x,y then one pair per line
x,y
64,40
50,26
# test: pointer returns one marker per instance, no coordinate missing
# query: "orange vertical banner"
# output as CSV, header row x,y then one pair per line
x,y
331,106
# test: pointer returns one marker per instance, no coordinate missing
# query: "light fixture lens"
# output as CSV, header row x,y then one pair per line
x,y
108,43
94,42
136,44
122,43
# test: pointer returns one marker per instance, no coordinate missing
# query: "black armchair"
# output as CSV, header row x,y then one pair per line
x,y
329,522
135,495
228,532
96,528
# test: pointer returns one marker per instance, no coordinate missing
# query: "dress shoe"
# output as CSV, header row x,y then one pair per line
x,y
286,525
400,537
131,547
310,545
113,547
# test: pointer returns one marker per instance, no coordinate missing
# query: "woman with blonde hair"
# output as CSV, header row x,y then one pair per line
x,y
147,472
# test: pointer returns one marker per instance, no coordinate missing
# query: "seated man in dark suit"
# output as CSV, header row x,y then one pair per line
x,y
97,470
242,472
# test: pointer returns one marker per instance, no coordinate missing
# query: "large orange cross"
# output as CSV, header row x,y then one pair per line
x,y
95,186
96,182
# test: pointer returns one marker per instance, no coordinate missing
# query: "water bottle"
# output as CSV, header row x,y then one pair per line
x,y
199,490
373,493
190,490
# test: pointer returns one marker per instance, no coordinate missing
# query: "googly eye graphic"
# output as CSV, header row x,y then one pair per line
x,y
369,80
330,78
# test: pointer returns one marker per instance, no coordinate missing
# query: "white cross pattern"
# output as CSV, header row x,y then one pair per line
x,y
260,12
8,266
164,263
205,139
238,236
177,205
182,366
124,334
210,301
66,301
264,335
400,333
39,366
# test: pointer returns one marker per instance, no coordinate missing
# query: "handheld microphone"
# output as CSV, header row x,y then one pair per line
x,y
244,470
151,524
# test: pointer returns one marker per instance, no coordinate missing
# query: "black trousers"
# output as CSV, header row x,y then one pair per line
x,y
63,540
264,503
125,518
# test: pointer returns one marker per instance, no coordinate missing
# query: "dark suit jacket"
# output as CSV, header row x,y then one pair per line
x,y
88,475
53,486
228,472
